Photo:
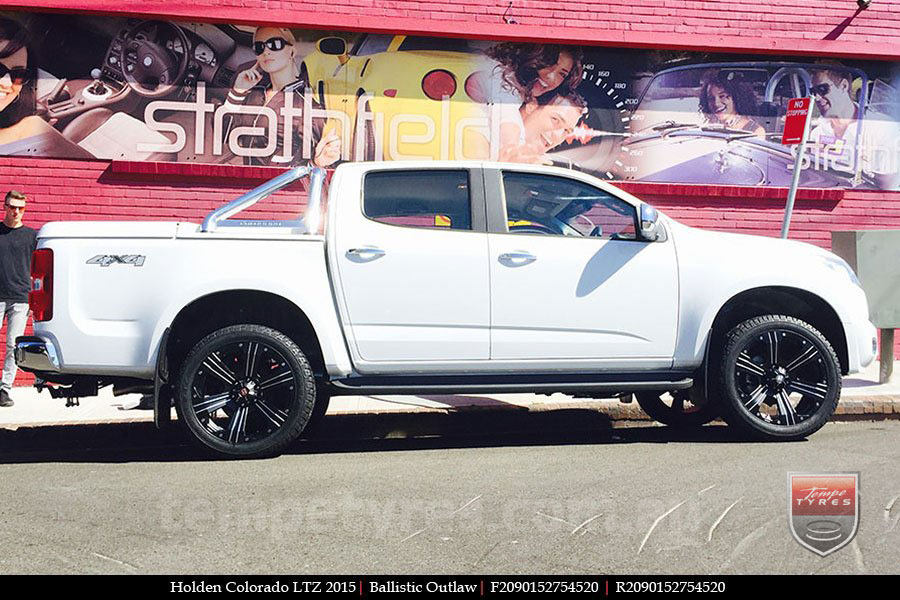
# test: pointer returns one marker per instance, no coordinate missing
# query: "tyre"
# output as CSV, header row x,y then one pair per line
x,y
323,399
246,391
676,409
780,378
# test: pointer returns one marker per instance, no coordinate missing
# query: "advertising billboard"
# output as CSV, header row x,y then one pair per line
x,y
151,90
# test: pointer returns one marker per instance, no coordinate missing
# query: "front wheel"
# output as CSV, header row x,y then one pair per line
x,y
677,409
246,391
780,378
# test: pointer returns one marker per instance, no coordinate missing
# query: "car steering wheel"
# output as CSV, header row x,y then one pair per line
x,y
151,69
780,74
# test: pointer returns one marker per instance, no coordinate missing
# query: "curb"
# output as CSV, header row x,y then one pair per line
x,y
850,409
884,406
847,409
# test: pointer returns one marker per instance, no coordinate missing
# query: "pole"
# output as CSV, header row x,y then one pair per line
x,y
886,370
795,179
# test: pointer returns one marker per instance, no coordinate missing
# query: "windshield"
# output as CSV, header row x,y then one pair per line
x,y
371,44
415,43
752,98
726,96
375,43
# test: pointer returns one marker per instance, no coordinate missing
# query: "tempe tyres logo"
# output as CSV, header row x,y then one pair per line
x,y
823,509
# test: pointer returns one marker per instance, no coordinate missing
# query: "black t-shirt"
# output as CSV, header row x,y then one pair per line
x,y
16,248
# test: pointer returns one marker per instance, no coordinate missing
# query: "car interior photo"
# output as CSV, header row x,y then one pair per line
x,y
91,100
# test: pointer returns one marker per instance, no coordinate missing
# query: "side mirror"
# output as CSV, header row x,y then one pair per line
x,y
333,46
651,230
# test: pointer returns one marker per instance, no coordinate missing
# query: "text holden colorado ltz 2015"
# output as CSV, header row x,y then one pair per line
x,y
277,587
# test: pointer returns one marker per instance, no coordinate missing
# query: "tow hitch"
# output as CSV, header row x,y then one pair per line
x,y
72,392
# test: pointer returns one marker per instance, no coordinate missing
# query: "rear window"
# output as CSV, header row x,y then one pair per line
x,y
430,199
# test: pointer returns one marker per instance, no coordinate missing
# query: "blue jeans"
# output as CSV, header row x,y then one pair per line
x,y
16,315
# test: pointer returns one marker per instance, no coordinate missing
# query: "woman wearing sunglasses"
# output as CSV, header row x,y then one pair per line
x,y
269,83
17,118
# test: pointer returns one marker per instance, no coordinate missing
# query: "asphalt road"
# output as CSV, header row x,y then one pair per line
x,y
538,498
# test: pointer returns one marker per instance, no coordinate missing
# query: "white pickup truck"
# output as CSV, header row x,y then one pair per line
x,y
443,277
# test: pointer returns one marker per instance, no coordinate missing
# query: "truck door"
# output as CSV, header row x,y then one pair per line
x,y
570,281
413,268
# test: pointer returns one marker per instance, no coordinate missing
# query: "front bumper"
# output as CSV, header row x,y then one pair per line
x,y
36,355
862,340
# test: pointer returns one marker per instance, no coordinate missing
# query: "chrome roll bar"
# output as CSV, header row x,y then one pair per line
x,y
309,223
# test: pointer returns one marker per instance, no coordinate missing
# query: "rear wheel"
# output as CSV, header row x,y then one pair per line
x,y
780,378
246,390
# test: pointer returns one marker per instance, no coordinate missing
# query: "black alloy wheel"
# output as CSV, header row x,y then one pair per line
x,y
246,390
780,378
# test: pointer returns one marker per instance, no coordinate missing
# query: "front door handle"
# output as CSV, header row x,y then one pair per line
x,y
518,258
366,252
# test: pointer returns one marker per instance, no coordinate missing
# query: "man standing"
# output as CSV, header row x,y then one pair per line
x,y
17,243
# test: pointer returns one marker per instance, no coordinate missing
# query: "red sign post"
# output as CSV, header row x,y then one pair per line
x,y
796,129
795,120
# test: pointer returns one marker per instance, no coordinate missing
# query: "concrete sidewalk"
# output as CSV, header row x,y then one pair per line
x,y
861,396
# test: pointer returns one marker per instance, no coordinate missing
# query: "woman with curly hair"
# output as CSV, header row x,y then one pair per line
x,y
532,70
727,102
17,69
518,74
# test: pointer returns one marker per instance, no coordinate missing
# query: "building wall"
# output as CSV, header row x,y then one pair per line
x,y
99,190
828,26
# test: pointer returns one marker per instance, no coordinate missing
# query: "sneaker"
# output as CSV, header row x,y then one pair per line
x,y
5,400
145,403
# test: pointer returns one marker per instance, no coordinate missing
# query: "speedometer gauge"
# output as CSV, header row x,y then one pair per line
x,y
595,144
204,54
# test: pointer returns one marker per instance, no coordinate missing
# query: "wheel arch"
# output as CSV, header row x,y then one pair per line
x,y
215,310
783,300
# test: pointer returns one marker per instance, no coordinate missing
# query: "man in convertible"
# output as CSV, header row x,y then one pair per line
x,y
837,134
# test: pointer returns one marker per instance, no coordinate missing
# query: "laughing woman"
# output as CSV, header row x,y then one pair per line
x,y
518,74
728,102
17,118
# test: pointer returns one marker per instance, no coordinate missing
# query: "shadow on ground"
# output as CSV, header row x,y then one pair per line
x,y
128,442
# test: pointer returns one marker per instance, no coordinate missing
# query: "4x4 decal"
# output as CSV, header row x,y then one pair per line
x,y
104,260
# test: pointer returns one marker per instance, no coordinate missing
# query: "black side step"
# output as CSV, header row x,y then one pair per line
x,y
511,383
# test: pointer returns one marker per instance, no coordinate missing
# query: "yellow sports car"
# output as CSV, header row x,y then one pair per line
x,y
397,97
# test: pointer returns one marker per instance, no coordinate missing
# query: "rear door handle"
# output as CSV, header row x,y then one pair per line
x,y
366,252
517,258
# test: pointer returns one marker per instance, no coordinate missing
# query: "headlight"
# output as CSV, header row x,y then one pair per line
x,y
839,265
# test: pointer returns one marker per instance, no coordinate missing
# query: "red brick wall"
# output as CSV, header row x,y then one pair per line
x,y
827,26
89,190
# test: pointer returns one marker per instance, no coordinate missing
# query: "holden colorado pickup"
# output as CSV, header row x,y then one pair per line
x,y
443,277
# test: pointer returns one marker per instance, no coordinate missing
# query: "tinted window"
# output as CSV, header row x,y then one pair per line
x,y
413,43
372,44
544,204
438,199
